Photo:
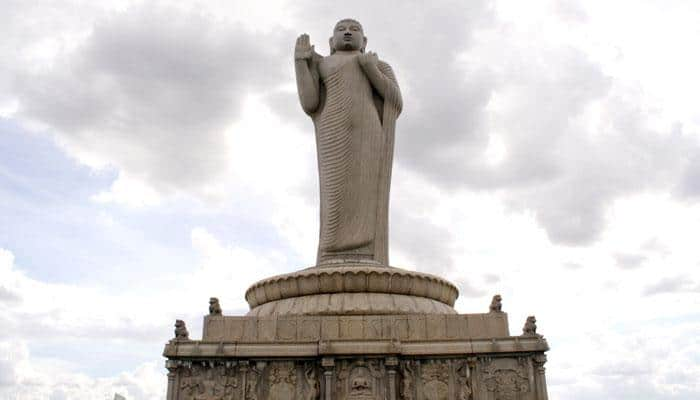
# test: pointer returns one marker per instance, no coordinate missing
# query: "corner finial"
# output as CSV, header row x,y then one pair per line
x,y
181,333
496,304
214,306
530,327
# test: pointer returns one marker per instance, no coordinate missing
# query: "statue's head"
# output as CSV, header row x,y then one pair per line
x,y
348,36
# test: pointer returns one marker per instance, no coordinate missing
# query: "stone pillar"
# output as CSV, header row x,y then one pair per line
x,y
391,364
244,375
327,363
472,363
538,361
171,365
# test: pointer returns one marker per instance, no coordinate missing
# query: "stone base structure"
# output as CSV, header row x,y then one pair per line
x,y
356,331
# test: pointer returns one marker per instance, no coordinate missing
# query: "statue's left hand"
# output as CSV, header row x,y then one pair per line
x,y
368,59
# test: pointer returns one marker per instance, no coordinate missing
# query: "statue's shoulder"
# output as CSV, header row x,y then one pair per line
x,y
386,69
383,64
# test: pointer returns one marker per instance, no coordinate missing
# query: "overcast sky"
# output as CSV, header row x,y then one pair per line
x,y
153,155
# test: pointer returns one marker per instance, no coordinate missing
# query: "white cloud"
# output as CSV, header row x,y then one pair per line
x,y
29,378
129,191
150,90
35,313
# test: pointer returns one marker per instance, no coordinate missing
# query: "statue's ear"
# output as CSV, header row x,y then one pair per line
x,y
364,44
330,44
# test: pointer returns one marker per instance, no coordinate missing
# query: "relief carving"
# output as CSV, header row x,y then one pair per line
x,y
464,392
435,377
505,381
252,379
360,383
313,387
202,382
360,380
283,381
407,380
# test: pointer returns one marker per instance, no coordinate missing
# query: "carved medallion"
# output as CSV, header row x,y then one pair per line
x,y
435,376
505,382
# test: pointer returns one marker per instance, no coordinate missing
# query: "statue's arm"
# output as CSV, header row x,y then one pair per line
x,y
384,81
306,68
308,85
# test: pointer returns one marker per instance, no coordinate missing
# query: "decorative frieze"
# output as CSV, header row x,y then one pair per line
x,y
510,377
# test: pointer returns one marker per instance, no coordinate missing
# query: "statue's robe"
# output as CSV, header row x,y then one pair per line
x,y
355,142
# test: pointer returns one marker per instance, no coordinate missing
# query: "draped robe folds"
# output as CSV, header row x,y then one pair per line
x,y
355,142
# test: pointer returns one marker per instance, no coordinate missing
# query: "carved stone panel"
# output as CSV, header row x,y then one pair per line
x,y
202,381
435,380
506,379
282,381
408,379
361,380
463,376
312,388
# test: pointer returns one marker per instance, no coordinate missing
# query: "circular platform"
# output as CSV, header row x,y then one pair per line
x,y
351,288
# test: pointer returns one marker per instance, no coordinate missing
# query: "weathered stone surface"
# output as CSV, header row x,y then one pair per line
x,y
352,288
406,328
465,377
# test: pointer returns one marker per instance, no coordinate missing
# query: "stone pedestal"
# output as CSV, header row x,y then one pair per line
x,y
356,332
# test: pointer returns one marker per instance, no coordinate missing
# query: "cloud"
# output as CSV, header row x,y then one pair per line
x,y
130,192
623,368
573,136
12,353
424,243
60,316
675,284
54,312
689,185
491,104
629,261
28,377
572,265
8,296
570,10
151,91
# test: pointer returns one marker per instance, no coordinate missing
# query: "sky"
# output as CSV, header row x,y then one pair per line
x,y
154,154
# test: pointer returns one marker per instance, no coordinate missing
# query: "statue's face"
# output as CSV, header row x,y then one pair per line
x,y
348,36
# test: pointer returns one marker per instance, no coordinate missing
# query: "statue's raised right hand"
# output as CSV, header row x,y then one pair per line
x,y
303,49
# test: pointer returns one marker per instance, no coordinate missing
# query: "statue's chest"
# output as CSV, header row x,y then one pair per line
x,y
331,64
